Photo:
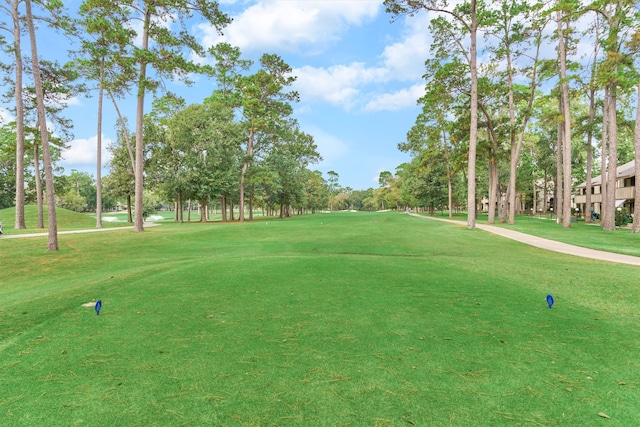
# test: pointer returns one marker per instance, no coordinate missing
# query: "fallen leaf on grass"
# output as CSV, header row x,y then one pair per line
x,y
413,423
603,415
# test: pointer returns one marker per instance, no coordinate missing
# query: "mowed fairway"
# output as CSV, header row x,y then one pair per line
x,y
358,319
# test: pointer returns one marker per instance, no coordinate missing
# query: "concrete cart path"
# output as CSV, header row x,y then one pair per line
x,y
547,244
88,230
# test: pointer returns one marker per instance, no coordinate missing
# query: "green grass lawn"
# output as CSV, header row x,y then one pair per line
x,y
68,220
355,319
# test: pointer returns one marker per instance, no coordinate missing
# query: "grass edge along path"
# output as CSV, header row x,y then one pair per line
x,y
620,241
549,244
340,319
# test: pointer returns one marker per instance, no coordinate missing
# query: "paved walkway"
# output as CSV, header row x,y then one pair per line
x,y
88,230
547,244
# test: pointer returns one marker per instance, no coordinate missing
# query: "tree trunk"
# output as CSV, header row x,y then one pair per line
x,y
493,189
181,209
502,207
449,186
635,226
603,156
44,134
566,122
251,202
20,198
99,151
610,223
558,201
534,208
139,170
515,151
545,206
203,209
494,185
39,192
129,214
473,128
245,167
223,208
592,115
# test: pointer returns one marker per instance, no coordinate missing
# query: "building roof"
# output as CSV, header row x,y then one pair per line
x,y
624,171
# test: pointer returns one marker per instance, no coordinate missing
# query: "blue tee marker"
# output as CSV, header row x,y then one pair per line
x,y
550,300
98,306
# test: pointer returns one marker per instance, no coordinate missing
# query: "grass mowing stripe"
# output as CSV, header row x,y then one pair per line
x,y
320,320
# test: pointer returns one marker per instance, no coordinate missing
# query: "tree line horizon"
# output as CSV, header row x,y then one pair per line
x,y
534,121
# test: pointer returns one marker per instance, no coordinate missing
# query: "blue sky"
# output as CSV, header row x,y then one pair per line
x,y
358,76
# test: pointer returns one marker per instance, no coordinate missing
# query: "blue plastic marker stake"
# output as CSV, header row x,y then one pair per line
x,y
550,300
98,306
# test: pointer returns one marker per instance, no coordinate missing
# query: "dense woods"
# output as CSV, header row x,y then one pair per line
x,y
523,101
555,102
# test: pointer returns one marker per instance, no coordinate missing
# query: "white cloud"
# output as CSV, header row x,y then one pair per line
x,y
292,26
344,85
5,116
398,100
73,101
65,101
313,26
404,60
81,153
337,85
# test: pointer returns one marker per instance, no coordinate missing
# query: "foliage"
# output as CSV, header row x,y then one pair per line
x,y
361,199
119,184
72,200
194,150
151,204
76,191
7,167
